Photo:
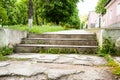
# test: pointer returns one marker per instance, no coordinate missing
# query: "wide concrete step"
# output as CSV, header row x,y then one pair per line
x,y
80,36
42,48
60,41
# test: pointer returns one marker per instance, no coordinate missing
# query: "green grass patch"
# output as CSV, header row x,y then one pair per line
x,y
113,64
5,51
37,29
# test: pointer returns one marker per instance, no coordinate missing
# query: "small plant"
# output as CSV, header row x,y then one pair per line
x,y
5,51
114,65
54,51
108,47
116,71
1,57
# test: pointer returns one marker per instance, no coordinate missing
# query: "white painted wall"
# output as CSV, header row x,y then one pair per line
x,y
11,37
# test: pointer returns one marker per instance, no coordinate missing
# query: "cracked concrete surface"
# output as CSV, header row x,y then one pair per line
x,y
63,58
55,67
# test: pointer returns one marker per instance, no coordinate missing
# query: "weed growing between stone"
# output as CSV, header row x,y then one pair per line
x,y
58,51
5,51
113,64
108,47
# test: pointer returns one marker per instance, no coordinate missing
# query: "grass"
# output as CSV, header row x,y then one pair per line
x,y
5,51
37,29
113,64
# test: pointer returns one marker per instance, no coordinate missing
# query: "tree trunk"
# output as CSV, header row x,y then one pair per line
x,y
57,22
30,14
36,17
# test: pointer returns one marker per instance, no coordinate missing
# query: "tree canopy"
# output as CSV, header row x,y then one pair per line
x,y
45,11
59,10
100,8
3,13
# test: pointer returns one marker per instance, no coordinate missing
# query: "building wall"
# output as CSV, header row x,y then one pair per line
x,y
92,18
112,18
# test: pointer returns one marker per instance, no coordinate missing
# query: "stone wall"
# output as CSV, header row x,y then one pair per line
x,y
114,34
115,25
11,37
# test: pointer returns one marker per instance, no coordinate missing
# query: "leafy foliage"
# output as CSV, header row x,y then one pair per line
x,y
56,11
21,12
3,13
100,8
5,51
10,10
108,47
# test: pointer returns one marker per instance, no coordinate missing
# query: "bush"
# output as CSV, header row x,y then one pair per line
x,y
6,51
108,48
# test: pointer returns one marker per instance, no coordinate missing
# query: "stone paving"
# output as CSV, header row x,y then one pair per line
x,y
87,60
55,67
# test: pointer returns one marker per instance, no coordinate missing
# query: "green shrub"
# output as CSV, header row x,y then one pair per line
x,y
6,51
108,47
1,57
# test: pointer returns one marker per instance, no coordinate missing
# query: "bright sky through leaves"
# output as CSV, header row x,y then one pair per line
x,y
86,6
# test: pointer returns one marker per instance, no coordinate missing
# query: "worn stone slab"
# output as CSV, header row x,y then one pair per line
x,y
88,60
27,55
54,74
64,59
90,75
117,59
94,59
22,68
38,77
82,62
48,58
3,64
26,70
35,56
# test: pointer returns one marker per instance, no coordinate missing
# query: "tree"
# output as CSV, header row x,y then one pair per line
x,y
59,10
100,8
10,10
38,8
74,20
3,13
56,11
30,13
22,12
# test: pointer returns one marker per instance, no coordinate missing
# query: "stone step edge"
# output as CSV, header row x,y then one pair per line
x,y
59,46
91,34
65,39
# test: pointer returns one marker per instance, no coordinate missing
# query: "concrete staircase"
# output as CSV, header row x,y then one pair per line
x,y
58,43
